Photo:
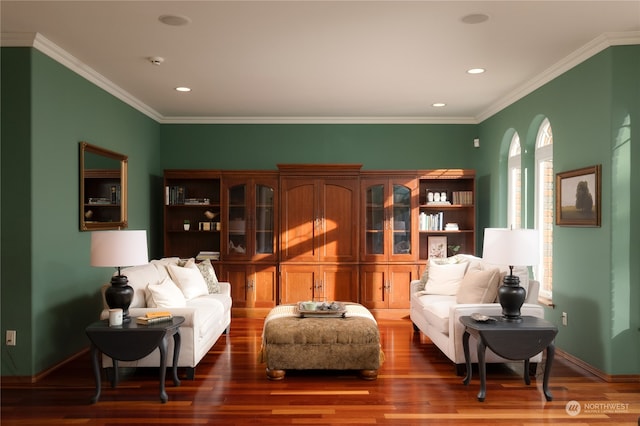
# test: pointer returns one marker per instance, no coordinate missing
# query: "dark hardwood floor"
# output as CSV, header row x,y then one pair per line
x,y
416,385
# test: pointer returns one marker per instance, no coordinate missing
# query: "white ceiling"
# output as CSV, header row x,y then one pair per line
x,y
320,61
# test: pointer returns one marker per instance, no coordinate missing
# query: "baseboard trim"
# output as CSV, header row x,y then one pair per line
x,y
611,378
12,380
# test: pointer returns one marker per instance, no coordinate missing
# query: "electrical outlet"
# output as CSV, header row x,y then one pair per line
x,y
565,318
11,338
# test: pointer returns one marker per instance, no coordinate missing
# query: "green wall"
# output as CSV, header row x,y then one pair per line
x,y
262,147
587,108
49,291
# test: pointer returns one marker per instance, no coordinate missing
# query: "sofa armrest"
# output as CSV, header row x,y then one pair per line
x,y
225,288
415,286
532,292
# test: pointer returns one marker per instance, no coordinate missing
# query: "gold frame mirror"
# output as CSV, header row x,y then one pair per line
x,y
103,188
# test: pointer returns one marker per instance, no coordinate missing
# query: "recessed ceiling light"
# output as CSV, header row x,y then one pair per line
x,y
175,20
475,18
438,104
476,71
183,89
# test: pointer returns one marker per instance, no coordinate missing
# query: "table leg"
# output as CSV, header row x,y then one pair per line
x,y
482,370
551,349
176,353
163,368
467,359
95,353
115,378
527,379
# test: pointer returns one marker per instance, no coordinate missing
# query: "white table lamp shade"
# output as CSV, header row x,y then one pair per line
x,y
512,247
119,248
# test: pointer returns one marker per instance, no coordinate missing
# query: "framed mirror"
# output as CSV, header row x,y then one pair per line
x,y
103,188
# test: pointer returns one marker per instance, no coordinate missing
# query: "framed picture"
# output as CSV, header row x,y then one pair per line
x,y
578,198
437,247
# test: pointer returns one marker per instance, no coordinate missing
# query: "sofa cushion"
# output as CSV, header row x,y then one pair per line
x,y
458,258
209,275
436,310
189,279
445,278
165,294
161,266
139,278
209,312
479,286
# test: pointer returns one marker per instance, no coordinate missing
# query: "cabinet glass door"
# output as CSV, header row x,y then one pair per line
x,y
374,220
401,224
265,241
237,220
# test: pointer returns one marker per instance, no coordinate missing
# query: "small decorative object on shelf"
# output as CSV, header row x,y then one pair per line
x,y
453,250
187,224
437,247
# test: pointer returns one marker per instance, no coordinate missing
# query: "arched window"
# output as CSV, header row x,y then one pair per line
x,y
514,202
543,272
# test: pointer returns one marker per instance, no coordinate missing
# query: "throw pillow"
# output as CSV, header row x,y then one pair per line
x,y
445,279
165,294
479,286
441,261
209,275
190,281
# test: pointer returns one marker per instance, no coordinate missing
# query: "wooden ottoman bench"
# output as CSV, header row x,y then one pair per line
x,y
292,342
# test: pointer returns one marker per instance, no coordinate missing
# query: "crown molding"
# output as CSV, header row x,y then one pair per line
x,y
41,43
55,52
590,49
318,120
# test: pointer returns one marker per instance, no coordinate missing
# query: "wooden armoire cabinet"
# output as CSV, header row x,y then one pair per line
x,y
319,222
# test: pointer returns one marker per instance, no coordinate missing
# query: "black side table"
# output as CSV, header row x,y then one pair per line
x,y
510,340
130,342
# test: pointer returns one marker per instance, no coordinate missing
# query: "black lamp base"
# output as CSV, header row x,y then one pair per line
x,y
511,297
120,295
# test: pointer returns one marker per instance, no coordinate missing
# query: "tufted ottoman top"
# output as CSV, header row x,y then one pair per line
x,y
294,330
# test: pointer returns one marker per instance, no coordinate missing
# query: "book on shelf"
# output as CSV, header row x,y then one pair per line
x,y
174,195
211,255
99,200
432,222
464,198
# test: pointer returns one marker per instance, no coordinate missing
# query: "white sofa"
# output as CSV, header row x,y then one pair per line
x,y
436,312
207,313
